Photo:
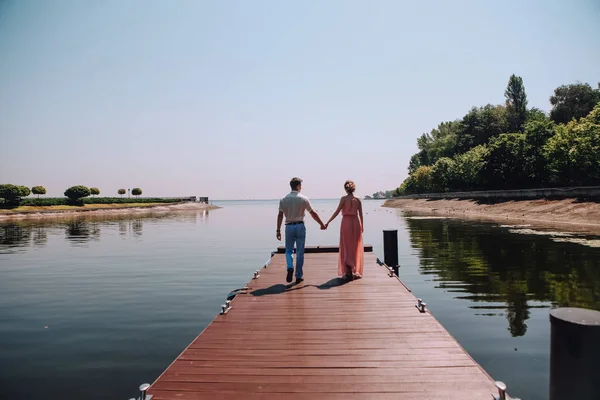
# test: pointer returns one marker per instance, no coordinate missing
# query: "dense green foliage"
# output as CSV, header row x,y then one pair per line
x,y
573,101
12,194
380,195
511,147
75,193
122,191
38,190
25,191
516,103
62,201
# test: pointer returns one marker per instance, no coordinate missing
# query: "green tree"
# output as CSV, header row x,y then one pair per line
x,y
479,125
573,153
420,181
94,191
506,164
534,114
414,163
136,191
77,193
11,194
443,174
573,101
538,130
402,189
38,190
122,192
24,191
469,168
444,140
516,103
440,142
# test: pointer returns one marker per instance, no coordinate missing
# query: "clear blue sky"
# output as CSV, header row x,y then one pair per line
x,y
230,99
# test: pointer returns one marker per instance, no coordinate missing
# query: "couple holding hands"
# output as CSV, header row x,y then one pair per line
x,y
351,251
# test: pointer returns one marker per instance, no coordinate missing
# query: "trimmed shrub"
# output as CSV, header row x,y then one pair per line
x,y
11,194
24,190
76,194
136,191
38,190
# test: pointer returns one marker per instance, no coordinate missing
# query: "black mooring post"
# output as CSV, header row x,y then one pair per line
x,y
390,249
574,354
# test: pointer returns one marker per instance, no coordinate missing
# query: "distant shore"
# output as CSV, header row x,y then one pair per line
x,y
571,214
99,210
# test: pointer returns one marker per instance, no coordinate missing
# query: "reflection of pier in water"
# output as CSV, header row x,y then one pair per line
x,y
500,271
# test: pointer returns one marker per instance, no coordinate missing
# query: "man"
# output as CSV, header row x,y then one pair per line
x,y
293,207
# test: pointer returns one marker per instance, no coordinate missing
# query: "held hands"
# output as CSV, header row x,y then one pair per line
x,y
323,226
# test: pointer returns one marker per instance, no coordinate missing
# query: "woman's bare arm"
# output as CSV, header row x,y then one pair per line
x,y
335,214
360,214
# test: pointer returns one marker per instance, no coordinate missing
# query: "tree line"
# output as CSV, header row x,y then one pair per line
x,y
511,146
14,194
380,195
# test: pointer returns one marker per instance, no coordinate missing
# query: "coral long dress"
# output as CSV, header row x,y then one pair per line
x,y
351,255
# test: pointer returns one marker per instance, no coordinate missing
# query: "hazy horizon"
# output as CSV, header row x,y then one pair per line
x,y
231,100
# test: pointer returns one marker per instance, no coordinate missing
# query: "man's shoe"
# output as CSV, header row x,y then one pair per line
x,y
290,274
299,280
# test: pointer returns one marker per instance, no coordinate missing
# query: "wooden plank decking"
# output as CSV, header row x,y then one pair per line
x,y
324,339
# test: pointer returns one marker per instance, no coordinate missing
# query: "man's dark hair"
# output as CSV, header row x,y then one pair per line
x,y
295,182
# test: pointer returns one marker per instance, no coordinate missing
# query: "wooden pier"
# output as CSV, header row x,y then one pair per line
x,y
324,338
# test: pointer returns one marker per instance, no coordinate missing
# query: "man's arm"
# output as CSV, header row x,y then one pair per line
x,y
315,216
279,221
312,212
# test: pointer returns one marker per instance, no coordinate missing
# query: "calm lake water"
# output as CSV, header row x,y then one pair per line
x,y
91,308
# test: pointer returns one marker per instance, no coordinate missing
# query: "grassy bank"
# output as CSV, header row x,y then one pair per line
x,y
86,207
63,201
99,211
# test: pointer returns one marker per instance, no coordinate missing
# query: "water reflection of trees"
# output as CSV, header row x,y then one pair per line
x,y
133,226
82,231
83,228
494,266
40,236
13,236
136,226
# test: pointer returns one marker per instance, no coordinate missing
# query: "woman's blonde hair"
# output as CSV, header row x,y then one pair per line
x,y
350,187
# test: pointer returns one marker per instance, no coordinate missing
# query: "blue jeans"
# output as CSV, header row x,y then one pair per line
x,y
295,234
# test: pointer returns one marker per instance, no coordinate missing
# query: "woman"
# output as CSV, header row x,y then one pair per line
x,y
351,255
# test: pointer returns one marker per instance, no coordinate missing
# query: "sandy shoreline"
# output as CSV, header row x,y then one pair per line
x,y
105,212
569,214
